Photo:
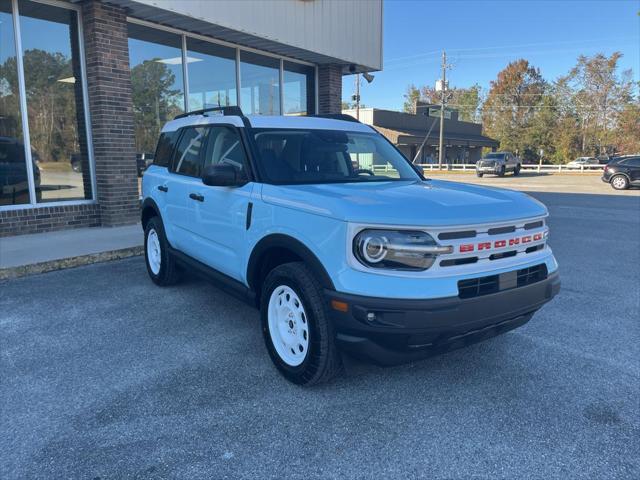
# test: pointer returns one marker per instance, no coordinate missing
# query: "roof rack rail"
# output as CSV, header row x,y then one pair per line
x,y
229,110
337,116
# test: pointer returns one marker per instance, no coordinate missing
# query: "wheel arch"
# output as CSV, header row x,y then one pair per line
x,y
277,249
149,210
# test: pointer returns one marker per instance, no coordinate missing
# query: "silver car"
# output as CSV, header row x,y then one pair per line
x,y
498,163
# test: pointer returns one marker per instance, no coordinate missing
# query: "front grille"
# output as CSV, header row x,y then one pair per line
x,y
530,275
477,287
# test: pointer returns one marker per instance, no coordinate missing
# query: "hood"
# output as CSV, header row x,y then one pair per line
x,y
432,202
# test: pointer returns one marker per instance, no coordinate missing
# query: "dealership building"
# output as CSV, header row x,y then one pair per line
x,y
85,87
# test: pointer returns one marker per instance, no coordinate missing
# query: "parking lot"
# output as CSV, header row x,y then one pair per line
x,y
105,375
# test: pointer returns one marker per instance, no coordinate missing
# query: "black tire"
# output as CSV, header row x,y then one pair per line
x,y
168,273
479,174
323,360
619,182
516,171
501,172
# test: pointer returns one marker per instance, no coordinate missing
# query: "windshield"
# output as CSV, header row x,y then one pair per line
x,y
293,156
495,156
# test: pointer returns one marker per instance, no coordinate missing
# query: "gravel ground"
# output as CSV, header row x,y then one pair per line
x,y
103,375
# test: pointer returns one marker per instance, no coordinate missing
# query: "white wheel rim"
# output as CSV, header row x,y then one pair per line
x,y
288,325
618,182
153,252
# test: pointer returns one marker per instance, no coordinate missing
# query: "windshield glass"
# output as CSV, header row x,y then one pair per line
x,y
293,156
495,156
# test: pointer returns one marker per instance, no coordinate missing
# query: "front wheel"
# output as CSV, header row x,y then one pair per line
x,y
297,330
516,171
620,182
479,174
501,171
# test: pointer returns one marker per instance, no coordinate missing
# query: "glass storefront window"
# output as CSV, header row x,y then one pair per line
x,y
14,185
212,75
260,84
155,58
55,110
298,89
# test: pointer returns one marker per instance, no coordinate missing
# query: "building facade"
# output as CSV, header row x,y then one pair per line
x,y
463,140
85,87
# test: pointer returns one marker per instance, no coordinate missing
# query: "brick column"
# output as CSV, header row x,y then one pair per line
x,y
329,89
109,87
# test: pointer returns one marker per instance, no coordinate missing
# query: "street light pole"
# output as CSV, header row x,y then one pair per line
x,y
443,100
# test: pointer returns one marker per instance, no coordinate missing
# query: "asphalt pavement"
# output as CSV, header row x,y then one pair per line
x,y
104,375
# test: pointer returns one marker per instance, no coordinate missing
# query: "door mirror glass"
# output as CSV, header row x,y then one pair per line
x,y
222,176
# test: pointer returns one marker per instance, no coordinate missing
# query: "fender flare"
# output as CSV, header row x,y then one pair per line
x,y
279,240
148,203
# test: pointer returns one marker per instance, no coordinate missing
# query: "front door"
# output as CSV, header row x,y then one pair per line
x,y
220,217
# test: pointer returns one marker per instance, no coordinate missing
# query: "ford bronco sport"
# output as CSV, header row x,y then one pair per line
x,y
339,241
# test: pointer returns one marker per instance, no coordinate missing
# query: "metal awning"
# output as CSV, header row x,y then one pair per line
x,y
415,137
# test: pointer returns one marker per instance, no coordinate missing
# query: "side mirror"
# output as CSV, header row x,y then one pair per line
x,y
221,176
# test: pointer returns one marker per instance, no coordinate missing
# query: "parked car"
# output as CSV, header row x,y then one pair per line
x,y
143,160
622,172
385,264
498,163
582,162
14,180
76,162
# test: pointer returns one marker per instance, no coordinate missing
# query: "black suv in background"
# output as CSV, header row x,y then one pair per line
x,y
622,172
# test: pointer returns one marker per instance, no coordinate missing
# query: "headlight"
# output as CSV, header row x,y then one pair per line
x,y
397,249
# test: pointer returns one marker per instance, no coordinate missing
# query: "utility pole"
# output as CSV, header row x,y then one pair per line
x,y
356,97
443,100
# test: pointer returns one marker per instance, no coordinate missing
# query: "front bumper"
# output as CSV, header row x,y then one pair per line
x,y
403,330
488,169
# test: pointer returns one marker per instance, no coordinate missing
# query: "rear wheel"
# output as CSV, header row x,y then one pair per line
x,y
161,265
620,182
297,330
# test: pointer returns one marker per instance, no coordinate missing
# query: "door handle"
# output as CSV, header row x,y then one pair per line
x,y
163,188
196,196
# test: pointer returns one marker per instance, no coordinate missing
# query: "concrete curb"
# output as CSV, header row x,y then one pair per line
x,y
64,263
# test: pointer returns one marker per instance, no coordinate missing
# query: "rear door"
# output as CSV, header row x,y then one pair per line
x,y
633,169
182,183
220,219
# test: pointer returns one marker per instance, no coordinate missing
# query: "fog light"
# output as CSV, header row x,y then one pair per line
x,y
371,317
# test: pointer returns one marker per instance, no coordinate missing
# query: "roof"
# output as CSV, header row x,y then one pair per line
x,y
268,121
416,137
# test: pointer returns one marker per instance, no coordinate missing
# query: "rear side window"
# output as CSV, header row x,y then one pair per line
x,y
188,157
633,162
166,144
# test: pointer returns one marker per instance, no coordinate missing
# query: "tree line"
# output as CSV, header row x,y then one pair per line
x,y
593,110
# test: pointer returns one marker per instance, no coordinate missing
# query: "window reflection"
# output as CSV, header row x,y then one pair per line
x,y
260,82
55,112
14,186
212,75
157,86
298,89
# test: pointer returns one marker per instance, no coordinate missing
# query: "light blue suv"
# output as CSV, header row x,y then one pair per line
x,y
339,240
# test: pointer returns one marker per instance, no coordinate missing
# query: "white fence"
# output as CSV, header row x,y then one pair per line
x,y
529,168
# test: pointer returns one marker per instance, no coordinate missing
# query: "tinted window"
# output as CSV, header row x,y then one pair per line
x,y
188,158
633,162
165,148
225,148
495,156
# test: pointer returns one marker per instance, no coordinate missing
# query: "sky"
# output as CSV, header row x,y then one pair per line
x,y
482,37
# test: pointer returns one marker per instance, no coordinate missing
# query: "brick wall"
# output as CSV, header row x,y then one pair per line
x,y
45,219
109,86
329,89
